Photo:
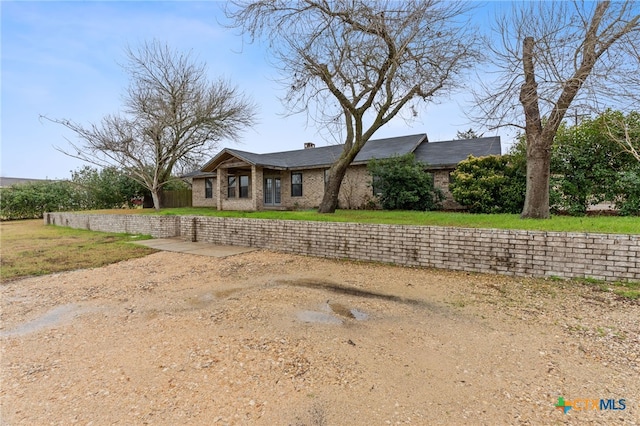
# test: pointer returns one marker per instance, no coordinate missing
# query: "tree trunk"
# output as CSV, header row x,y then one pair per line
x,y
536,202
329,202
155,194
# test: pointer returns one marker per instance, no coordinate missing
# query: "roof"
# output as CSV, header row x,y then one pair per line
x,y
436,154
6,182
450,153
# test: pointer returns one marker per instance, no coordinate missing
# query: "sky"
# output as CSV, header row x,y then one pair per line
x,y
63,60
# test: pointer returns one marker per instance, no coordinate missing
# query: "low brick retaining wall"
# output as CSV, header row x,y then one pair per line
x,y
156,226
608,257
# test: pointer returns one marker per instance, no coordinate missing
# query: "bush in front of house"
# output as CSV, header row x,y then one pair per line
x,y
491,184
402,183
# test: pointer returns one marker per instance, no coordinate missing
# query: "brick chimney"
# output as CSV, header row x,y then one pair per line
x,y
309,145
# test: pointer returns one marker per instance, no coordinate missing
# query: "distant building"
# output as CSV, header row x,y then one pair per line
x,y
6,182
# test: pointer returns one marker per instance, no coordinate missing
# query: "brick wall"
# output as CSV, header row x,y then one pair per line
x,y
198,191
312,189
509,252
156,226
355,191
441,181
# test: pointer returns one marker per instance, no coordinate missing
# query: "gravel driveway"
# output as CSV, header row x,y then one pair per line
x,y
271,339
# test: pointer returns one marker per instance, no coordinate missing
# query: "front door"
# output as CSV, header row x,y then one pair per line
x,y
271,191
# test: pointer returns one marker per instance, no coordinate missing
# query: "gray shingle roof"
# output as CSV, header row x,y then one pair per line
x,y
327,155
301,158
385,148
435,153
450,153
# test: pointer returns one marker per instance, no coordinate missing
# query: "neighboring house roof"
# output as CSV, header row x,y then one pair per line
x,y
436,154
6,182
450,153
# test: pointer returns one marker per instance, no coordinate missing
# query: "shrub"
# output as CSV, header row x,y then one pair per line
x,y
402,183
89,189
107,188
589,167
628,189
491,184
31,200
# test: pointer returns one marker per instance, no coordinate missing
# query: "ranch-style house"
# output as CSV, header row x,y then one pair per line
x,y
240,180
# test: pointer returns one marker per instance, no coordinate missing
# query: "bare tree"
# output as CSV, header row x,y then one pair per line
x,y
353,65
173,118
555,56
624,130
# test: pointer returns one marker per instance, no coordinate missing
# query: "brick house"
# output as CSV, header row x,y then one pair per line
x,y
240,180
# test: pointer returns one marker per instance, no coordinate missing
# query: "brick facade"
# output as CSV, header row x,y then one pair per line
x,y
198,193
355,192
610,257
441,180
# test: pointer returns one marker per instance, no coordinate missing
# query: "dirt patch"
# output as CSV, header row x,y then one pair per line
x,y
266,338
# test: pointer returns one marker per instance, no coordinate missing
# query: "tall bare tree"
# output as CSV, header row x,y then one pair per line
x,y
353,65
173,117
559,59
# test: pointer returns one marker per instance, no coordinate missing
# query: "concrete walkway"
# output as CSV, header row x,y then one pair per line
x,y
202,249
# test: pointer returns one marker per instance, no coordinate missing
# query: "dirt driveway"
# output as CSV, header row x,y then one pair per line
x,y
271,339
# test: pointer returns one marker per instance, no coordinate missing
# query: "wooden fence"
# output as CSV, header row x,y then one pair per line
x,y
177,198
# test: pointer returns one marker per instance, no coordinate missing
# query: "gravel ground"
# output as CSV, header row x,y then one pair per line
x,y
271,339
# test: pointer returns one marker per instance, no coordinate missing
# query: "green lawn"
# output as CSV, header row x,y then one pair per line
x,y
31,248
598,224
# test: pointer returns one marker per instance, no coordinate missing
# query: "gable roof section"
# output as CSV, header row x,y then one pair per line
x,y
436,154
300,158
385,148
450,153
321,156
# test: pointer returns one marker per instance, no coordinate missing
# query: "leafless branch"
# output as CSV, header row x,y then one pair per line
x,y
173,117
352,66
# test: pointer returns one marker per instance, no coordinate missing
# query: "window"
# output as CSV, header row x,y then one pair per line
x,y
208,188
296,184
231,187
238,186
375,184
326,177
244,186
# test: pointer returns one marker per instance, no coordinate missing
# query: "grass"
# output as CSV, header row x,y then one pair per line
x,y
628,290
597,224
30,248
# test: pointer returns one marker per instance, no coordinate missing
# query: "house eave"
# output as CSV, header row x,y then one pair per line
x,y
215,161
441,166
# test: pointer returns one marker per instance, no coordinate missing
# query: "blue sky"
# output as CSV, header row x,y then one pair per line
x,y
60,59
